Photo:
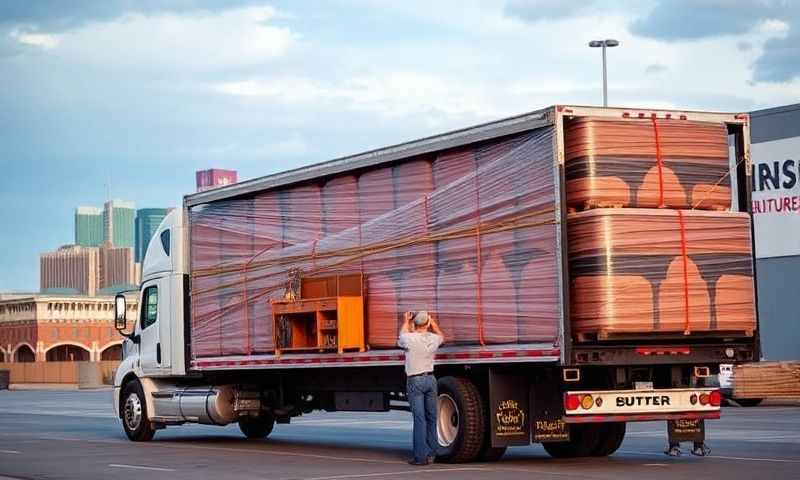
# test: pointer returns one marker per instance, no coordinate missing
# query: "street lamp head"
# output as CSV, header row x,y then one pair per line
x,y
604,43
611,43
596,43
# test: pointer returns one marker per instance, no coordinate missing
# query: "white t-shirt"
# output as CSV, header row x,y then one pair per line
x,y
420,349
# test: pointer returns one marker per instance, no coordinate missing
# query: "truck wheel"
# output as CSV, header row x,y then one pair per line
x,y
257,427
489,453
611,436
460,421
584,439
748,402
135,419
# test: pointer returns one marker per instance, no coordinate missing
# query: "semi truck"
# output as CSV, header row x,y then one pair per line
x,y
254,311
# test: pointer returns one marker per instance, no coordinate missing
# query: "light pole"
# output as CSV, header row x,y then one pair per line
x,y
604,43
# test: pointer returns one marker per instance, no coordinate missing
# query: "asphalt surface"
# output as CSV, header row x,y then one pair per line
x,y
73,434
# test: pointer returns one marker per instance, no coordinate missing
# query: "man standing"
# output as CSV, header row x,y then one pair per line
x,y
420,345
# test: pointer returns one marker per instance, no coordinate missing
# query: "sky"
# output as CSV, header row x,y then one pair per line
x,y
126,99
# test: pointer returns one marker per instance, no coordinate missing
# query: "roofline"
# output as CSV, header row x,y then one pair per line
x,y
454,138
774,110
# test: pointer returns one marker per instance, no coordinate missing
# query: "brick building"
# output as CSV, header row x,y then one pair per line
x,y
47,328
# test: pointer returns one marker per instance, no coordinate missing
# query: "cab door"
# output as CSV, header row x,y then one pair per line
x,y
149,336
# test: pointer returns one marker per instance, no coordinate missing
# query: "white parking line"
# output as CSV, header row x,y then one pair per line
x,y
403,472
141,467
712,456
10,452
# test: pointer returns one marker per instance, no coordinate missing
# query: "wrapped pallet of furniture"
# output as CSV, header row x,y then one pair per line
x,y
375,198
772,380
415,272
646,163
644,271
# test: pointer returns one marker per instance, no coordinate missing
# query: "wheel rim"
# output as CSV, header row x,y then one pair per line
x,y
447,420
133,411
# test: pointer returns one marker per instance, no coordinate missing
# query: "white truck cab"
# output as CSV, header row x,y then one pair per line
x,y
154,347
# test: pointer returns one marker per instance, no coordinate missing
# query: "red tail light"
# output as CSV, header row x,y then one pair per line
x,y
715,398
572,402
704,400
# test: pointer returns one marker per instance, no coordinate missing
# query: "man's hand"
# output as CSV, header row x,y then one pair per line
x,y
407,317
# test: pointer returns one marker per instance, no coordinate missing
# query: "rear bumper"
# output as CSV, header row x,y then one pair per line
x,y
643,417
641,405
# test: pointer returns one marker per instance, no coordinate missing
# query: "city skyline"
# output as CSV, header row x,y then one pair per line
x,y
263,87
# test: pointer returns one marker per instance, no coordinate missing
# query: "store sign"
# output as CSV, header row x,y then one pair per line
x,y
776,197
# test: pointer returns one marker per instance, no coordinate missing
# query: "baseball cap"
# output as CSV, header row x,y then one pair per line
x,y
421,318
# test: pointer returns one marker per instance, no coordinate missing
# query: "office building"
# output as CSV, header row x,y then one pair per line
x,y
116,269
74,269
147,221
70,269
213,178
118,223
88,226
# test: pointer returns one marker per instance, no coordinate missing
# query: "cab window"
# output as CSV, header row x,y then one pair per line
x,y
149,306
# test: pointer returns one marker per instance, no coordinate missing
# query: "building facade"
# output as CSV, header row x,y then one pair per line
x,y
775,149
88,226
213,178
47,328
118,223
147,221
87,270
116,269
71,268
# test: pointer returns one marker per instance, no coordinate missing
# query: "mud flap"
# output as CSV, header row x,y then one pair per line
x,y
509,412
687,430
548,411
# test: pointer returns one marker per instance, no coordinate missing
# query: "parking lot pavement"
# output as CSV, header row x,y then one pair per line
x,y
73,434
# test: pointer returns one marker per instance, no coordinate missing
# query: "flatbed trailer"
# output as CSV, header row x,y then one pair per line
x,y
573,396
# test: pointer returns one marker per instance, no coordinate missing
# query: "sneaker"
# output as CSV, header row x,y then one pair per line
x,y
414,462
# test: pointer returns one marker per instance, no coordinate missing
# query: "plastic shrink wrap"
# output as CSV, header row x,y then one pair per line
x,y
646,163
468,234
643,271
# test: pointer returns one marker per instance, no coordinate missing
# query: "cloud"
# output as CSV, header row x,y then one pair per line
x,y
391,93
538,10
777,22
169,42
64,15
42,40
655,68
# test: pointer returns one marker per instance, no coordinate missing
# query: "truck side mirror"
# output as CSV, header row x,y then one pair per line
x,y
120,311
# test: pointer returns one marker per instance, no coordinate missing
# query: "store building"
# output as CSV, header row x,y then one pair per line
x,y
775,135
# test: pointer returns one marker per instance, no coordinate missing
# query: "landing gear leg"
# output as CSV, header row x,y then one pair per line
x,y
700,449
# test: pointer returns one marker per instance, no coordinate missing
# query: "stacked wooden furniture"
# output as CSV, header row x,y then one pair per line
x,y
767,380
646,163
653,247
328,316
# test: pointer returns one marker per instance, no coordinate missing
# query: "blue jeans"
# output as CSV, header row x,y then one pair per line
x,y
422,396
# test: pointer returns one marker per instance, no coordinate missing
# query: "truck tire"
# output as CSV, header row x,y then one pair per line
x,y
489,453
611,436
257,427
748,402
460,420
133,410
584,440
